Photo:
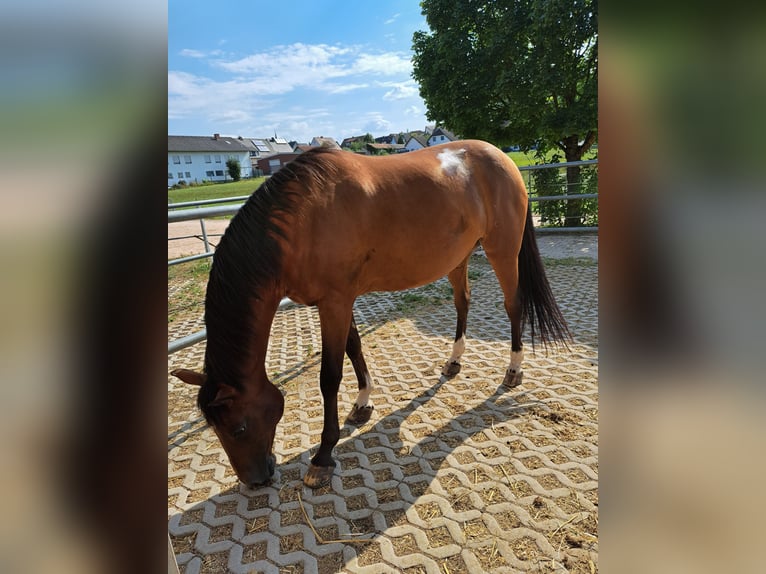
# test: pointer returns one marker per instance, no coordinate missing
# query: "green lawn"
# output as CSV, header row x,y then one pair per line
x,y
521,159
215,191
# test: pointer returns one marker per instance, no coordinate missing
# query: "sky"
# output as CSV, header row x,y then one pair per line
x,y
298,69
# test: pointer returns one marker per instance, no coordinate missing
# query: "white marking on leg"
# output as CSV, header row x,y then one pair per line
x,y
458,348
452,162
364,394
516,358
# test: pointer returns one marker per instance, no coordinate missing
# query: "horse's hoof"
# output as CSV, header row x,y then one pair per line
x,y
512,379
451,369
318,476
359,415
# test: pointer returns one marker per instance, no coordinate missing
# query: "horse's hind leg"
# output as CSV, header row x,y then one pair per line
x,y
507,272
362,409
458,278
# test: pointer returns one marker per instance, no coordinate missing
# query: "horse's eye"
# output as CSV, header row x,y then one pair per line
x,y
239,431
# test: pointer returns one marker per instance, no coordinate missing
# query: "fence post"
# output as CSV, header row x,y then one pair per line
x,y
204,236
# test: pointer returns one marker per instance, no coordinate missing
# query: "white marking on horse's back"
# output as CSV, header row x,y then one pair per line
x,y
453,162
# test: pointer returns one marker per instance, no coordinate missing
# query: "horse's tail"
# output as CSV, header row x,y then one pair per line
x,y
537,302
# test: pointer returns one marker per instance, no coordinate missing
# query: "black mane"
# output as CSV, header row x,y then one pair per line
x,y
248,261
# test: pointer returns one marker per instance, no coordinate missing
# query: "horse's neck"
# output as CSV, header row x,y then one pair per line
x,y
264,310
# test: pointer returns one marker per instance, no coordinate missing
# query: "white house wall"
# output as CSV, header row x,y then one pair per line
x,y
436,140
194,166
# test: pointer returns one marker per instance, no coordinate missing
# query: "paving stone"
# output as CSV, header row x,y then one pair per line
x,y
455,475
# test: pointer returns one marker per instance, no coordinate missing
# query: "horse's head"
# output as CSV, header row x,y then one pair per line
x,y
245,421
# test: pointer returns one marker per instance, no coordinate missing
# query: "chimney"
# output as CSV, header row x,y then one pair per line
x,y
216,136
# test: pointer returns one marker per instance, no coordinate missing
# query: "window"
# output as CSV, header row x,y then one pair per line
x,y
187,158
218,159
209,173
170,175
176,159
207,159
180,175
188,175
219,172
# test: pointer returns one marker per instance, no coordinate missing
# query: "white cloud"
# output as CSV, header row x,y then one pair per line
x,y
190,95
298,90
294,65
377,124
399,90
192,53
343,88
302,65
389,64
392,19
413,111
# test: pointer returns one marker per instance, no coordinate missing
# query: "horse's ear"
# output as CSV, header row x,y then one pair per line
x,y
189,377
225,394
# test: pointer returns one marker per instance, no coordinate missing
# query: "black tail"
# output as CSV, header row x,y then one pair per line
x,y
537,302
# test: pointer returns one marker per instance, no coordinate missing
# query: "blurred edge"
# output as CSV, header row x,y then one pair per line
x,y
83,116
681,266
682,198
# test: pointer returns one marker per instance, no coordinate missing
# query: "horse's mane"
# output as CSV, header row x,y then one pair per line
x,y
248,261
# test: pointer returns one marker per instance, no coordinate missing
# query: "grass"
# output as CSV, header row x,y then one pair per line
x,y
215,190
522,159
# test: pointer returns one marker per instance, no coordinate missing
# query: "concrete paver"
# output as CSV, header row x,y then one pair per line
x,y
449,476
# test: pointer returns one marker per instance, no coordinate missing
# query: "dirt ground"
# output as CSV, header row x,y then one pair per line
x,y
449,476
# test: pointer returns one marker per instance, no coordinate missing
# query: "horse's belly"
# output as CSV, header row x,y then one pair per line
x,y
396,270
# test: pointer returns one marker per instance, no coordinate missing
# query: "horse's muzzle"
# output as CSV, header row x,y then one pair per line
x,y
262,476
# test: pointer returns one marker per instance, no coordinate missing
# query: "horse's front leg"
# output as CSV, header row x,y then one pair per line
x,y
335,318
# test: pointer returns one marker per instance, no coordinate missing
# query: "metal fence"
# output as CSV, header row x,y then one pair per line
x,y
199,210
569,194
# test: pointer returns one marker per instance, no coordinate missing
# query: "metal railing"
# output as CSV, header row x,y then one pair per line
x,y
562,197
191,210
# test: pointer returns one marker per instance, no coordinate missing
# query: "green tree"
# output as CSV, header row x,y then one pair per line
x,y
368,138
233,167
520,72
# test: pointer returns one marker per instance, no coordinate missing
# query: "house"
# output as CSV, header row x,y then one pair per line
x,y
261,148
389,139
383,148
347,142
203,158
322,141
300,148
440,136
415,141
273,163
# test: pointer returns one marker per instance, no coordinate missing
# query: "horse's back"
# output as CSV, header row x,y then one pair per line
x,y
391,223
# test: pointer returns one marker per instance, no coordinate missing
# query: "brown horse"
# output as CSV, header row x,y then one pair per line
x,y
333,225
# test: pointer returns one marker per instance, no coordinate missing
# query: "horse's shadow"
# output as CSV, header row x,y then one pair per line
x,y
378,479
